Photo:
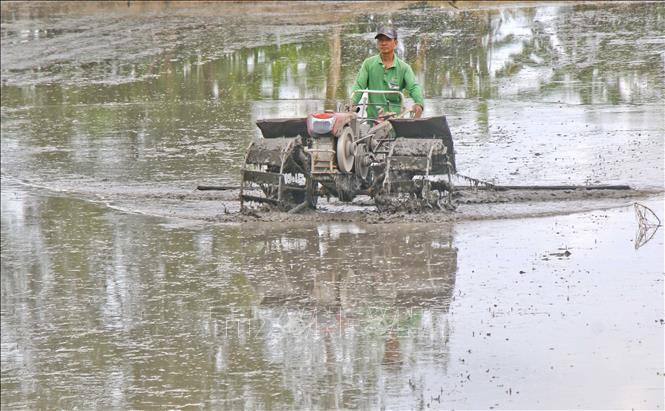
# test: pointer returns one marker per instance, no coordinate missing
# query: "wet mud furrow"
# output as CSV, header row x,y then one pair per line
x,y
223,205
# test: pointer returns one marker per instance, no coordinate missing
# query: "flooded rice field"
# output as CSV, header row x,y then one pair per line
x,y
123,286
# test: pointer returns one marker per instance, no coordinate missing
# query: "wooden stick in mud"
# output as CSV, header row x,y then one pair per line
x,y
219,188
563,187
540,187
299,208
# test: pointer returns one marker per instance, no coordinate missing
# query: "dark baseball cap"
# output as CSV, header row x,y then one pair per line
x,y
389,32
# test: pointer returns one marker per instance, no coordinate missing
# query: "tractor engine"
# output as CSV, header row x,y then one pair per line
x,y
332,137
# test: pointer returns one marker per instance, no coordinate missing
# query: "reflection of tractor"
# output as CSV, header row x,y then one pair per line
x,y
398,161
352,270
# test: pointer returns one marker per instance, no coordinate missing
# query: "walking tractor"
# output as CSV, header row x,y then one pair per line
x,y
397,160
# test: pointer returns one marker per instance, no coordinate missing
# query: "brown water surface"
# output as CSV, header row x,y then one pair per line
x,y
116,294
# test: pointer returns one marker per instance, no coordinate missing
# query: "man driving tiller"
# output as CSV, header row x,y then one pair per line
x,y
387,72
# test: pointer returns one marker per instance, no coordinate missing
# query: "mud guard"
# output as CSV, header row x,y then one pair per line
x,y
283,127
426,127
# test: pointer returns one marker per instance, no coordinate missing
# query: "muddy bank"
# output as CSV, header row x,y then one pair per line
x,y
148,37
223,206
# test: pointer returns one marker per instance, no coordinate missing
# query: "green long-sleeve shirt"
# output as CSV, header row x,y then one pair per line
x,y
374,76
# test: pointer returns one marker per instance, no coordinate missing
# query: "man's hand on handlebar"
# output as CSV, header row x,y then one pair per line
x,y
417,110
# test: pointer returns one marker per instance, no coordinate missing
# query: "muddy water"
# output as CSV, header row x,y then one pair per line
x,y
119,290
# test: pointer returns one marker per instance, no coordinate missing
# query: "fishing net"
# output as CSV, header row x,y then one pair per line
x,y
647,224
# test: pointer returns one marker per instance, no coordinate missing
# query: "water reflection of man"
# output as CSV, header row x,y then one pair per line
x,y
386,71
